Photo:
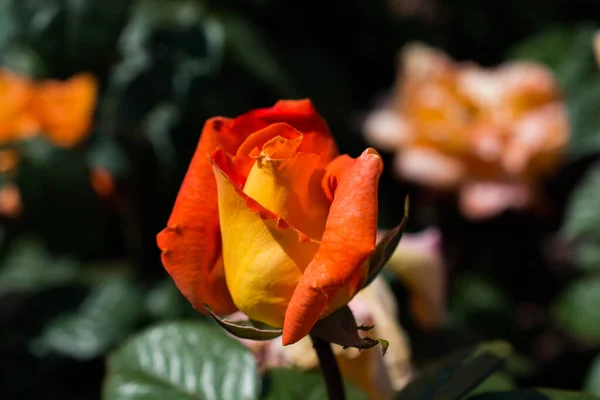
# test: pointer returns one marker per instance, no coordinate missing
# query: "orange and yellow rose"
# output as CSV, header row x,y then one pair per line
x,y
271,221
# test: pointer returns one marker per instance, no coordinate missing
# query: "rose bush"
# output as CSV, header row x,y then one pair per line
x,y
271,221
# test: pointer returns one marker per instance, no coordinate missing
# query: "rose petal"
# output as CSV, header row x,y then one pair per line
x,y
336,170
337,270
16,116
482,200
288,183
191,243
430,167
263,259
387,130
302,116
66,108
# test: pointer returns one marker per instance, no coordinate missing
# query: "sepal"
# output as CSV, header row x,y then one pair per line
x,y
246,329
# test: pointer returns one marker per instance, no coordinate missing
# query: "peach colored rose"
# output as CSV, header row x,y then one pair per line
x,y
460,127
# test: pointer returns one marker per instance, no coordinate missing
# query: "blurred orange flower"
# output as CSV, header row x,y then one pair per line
x,y
61,110
17,119
488,133
65,109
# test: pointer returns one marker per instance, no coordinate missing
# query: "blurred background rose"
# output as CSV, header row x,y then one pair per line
x,y
489,134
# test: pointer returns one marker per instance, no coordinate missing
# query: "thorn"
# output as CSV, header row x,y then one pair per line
x,y
174,227
165,251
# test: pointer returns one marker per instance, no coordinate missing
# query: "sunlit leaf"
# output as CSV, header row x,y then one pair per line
x,y
181,361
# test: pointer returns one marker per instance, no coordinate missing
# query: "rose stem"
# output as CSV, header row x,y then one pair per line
x,y
329,369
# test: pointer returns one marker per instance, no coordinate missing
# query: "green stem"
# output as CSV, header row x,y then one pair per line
x,y
329,369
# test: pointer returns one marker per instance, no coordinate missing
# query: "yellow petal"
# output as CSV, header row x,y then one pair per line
x,y
289,184
263,263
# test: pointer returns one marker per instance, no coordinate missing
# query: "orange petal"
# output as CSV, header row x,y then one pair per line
x,y
302,116
191,243
16,118
288,183
336,272
336,170
66,108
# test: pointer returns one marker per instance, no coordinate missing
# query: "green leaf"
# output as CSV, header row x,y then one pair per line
x,y
497,382
577,308
584,120
105,317
459,374
340,328
23,60
182,360
386,246
246,329
536,394
28,267
587,256
9,27
479,302
592,379
292,384
582,216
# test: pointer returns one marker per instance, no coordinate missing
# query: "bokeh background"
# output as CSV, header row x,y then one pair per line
x,y
79,267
